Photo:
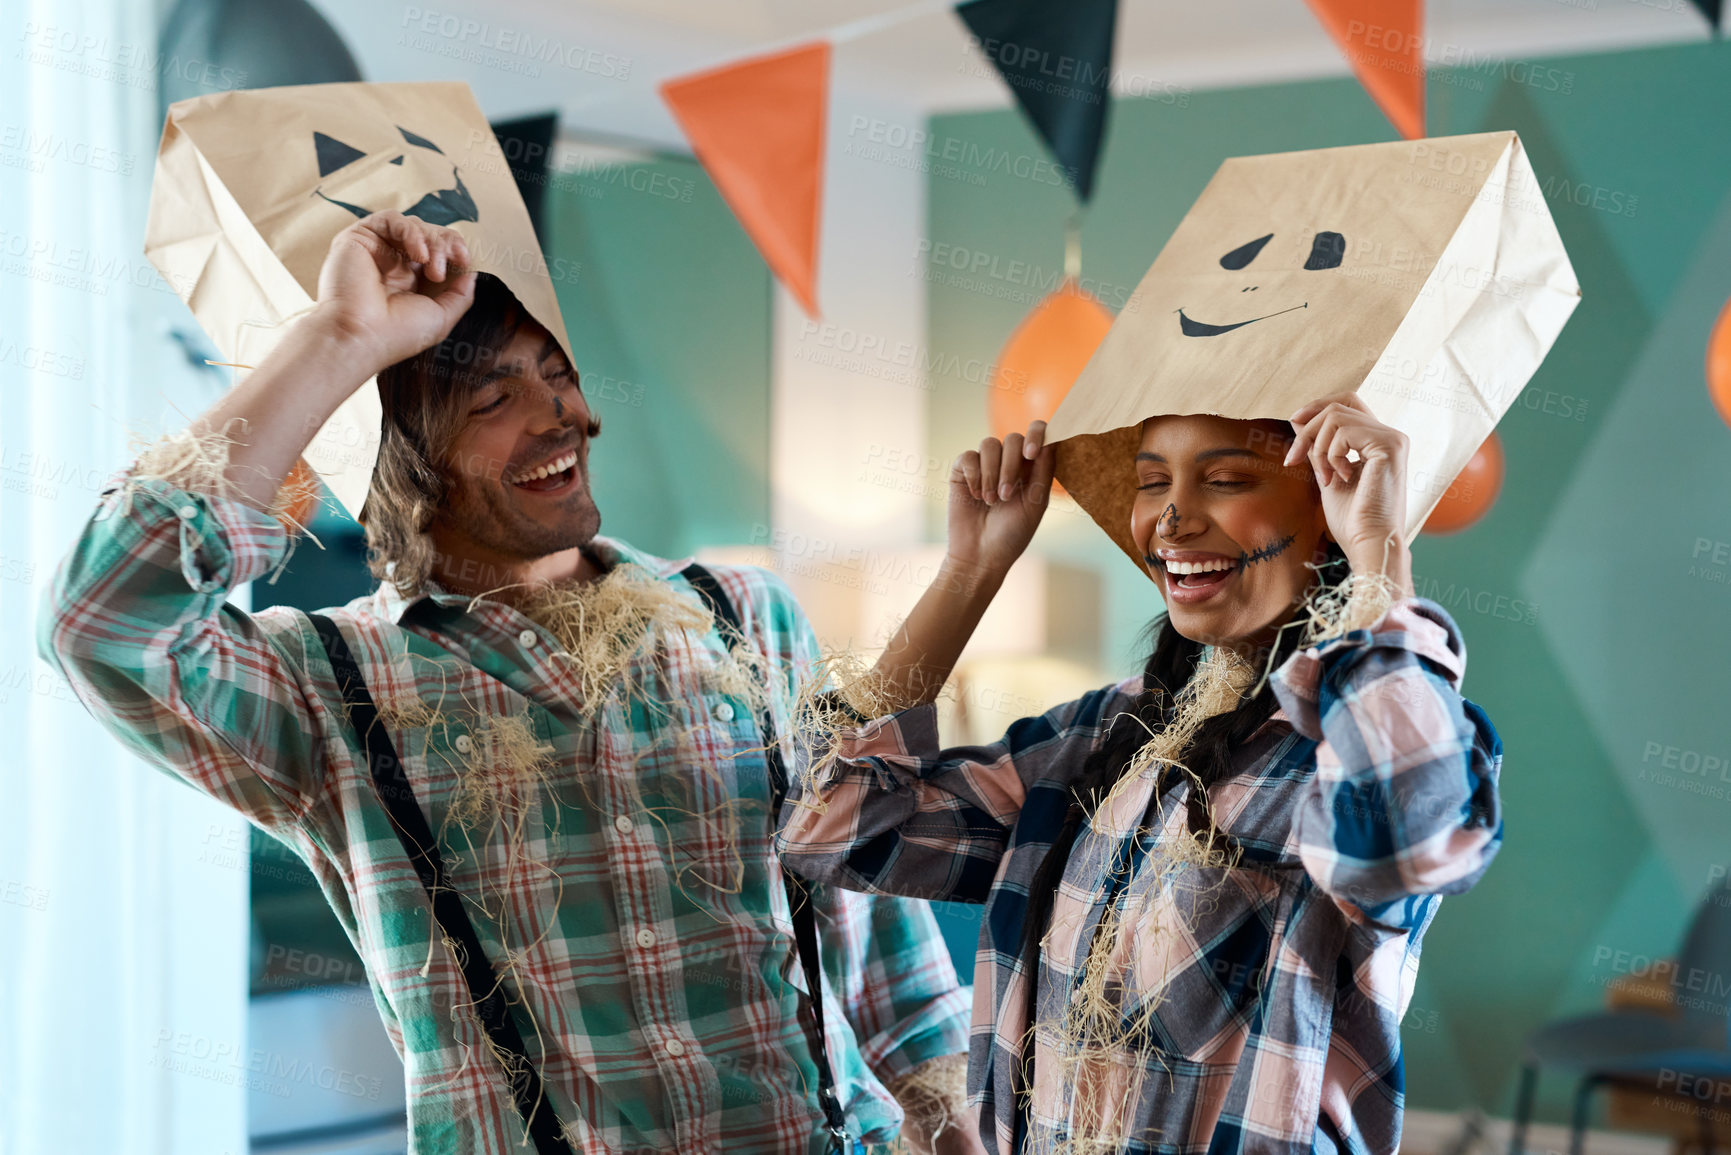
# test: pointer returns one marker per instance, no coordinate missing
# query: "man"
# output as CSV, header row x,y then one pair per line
x,y
604,814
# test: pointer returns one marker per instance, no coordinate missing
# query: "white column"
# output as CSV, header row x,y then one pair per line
x,y
849,401
122,938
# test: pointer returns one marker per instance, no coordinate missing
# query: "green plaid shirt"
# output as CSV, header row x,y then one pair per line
x,y
636,891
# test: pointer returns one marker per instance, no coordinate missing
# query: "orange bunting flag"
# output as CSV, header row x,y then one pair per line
x,y
757,126
1384,42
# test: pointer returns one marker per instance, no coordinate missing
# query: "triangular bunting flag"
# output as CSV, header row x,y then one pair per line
x,y
1056,56
1384,42
758,128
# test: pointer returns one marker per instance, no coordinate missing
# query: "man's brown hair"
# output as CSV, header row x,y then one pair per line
x,y
425,399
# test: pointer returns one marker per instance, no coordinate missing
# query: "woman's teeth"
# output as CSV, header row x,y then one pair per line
x,y
1184,567
557,465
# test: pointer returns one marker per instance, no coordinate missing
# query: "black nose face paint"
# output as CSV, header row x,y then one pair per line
x,y
558,407
1168,523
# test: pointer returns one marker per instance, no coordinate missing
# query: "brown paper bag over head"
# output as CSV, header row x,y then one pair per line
x,y
251,186
1425,275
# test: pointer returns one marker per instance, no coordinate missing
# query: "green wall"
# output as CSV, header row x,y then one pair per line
x,y
668,308
1617,471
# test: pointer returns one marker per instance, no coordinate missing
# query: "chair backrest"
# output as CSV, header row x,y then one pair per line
x,y
1703,985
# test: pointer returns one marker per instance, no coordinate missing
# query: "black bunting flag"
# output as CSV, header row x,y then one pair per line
x,y
1056,56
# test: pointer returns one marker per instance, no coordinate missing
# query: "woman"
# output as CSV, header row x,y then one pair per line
x,y
1205,887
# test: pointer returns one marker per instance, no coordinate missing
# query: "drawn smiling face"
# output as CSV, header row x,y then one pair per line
x,y
421,164
1327,250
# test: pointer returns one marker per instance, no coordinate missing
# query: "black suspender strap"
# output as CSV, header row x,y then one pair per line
x,y
798,894
486,989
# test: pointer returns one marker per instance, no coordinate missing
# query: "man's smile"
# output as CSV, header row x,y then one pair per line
x,y
552,476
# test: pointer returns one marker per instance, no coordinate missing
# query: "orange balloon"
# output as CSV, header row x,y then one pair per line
x,y
1043,358
1473,491
1719,364
300,493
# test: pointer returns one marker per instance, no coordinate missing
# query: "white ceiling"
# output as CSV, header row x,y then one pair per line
x,y
913,53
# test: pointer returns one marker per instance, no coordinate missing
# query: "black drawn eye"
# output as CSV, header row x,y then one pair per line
x,y
333,153
419,141
1326,251
1244,254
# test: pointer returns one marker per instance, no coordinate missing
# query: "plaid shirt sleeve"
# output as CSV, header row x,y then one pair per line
x,y
884,957
895,814
1404,801
888,964
137,622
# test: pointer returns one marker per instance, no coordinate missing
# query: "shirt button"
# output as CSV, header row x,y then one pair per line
x,y
723,711
187,512
464,744
623,824
675,1047
526,639
645,939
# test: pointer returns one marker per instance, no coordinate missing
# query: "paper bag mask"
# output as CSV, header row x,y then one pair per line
x,y
1426,275
251,186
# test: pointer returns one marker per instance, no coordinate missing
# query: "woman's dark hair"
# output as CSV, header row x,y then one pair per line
x,y
1168,669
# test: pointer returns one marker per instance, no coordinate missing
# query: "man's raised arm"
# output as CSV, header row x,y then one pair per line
x,y
137,618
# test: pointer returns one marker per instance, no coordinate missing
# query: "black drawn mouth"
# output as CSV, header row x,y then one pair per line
x,y
1194,328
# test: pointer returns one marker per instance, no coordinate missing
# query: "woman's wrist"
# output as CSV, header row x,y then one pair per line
x,y
968,577
1389,558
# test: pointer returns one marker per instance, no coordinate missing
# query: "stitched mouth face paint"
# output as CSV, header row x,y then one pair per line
x,y
1271,550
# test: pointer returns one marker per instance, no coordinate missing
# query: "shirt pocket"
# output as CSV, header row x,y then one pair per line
x,y
484,766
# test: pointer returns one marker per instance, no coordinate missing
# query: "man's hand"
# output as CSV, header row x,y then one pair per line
x,y
1363,500
998,493
387,289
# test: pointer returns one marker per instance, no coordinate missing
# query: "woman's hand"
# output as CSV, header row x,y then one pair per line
x,y
998,493
386,287
1363,500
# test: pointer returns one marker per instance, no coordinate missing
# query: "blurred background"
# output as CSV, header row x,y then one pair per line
x,y
171,981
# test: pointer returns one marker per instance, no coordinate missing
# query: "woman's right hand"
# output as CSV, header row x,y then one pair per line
x,y
387,289
998,493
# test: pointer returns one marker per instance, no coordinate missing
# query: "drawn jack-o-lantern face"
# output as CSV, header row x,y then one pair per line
x,y
409,184
1327,250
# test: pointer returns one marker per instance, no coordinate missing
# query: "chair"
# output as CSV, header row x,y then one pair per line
x,y
1640,1048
